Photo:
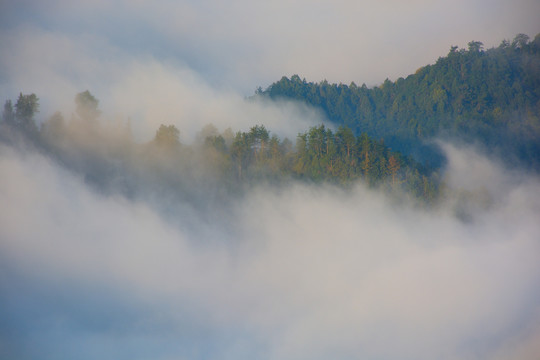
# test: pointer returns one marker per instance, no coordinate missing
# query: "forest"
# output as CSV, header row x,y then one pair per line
x,y
491,97
156,204
378,135
107,155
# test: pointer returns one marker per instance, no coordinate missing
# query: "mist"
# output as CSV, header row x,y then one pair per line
x,y
111,248
294,271
241,45
147,91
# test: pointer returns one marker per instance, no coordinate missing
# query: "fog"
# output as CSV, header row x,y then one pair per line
x,y
294,271
147,91
243,44
123,257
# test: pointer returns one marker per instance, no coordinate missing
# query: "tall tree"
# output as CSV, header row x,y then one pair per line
x,y
167,136
240,152
475,46
520,41
208,131
87,106
347,140
8,115
258,138
393,167
489,96
26,107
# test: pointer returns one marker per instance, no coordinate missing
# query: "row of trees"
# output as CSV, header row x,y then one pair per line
x,y
22,115
229,159
320,155
491,96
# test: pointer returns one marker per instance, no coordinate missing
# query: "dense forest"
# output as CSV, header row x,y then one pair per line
x,y
220,162
491,97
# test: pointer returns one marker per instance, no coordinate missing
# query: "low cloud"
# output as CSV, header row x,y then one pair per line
x,y
145,90
182,98
297,272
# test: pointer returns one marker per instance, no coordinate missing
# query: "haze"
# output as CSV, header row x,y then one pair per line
x,y
240,44
294,271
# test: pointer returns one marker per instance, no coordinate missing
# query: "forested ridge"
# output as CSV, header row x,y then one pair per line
x,y
491,97
106,154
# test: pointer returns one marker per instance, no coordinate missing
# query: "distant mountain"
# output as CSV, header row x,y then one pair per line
x,y
489,97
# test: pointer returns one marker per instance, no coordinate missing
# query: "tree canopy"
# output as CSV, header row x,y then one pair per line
x,y
488,96
87,106
26,107
376,135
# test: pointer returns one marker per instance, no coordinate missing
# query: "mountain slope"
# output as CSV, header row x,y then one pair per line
x,y
490,97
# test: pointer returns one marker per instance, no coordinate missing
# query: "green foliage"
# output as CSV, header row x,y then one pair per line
x,y
227,160
491,97
26,107
167,136
8,115
87,106
319,156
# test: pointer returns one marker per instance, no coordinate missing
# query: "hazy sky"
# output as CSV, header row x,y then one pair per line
x,y
243,44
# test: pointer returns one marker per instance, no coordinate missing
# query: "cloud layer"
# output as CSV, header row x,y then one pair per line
x,y
146,90
300,272
243,44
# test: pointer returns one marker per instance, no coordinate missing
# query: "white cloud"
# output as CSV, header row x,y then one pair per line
x,y
243,44
149,91
180,97
302,272
55,66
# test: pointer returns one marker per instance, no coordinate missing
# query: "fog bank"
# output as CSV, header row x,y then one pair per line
x,y
296,272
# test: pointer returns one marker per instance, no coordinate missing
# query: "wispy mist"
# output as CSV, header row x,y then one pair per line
x,y
108,252
244,45
145,90
296,272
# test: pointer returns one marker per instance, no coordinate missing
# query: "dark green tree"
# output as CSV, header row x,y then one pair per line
x,y
87,106
8,116
167,136
258,138
241,152
520,41
26,108
475,46
488,96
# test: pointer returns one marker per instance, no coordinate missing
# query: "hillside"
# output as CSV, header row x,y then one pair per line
x,y
490,97
107,156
